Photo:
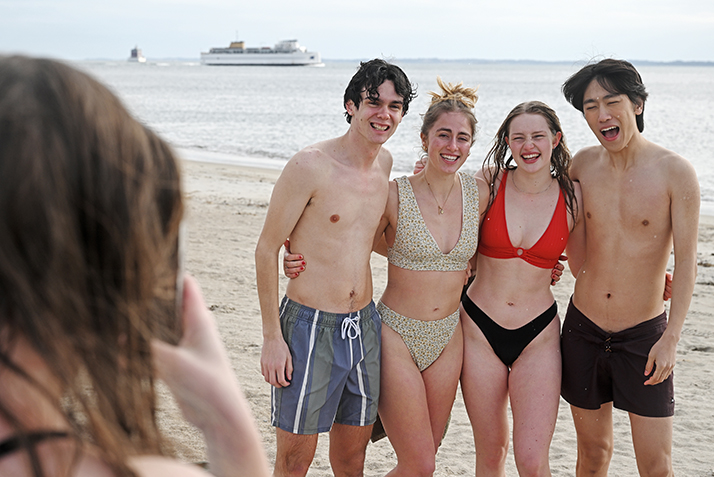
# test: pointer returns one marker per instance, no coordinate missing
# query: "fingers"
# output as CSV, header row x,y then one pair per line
x,y
563,258
667,286
661,372
286,244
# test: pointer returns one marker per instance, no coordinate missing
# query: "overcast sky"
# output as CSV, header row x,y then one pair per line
x,y
568,30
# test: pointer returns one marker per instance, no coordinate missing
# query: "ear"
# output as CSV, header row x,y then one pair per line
x,y
424,142
638,109
556,140
350,107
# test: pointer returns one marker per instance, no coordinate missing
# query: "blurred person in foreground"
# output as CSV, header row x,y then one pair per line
x,y
91,291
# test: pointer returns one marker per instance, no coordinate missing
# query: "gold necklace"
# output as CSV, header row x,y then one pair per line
x,y
513,180
441,209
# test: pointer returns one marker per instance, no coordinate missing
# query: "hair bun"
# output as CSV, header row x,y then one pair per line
x,y
455,92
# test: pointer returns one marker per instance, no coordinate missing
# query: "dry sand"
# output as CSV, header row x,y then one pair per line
x,y
226,209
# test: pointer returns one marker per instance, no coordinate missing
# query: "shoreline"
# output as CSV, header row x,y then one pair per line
x,y
267,165
226,206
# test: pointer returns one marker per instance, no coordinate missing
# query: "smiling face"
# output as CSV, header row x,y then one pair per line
x,y
531,142
377,117
449,142
612,117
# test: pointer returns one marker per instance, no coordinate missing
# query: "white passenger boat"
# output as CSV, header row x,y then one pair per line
x,y
284,53
136,56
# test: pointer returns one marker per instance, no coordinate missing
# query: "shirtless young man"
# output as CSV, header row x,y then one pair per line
x,y
618,346
324,365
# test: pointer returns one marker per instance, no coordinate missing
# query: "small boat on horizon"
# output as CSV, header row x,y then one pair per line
x,y
284,53
136,56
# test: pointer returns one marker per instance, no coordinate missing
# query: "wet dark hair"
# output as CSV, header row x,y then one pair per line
x,y
90,207
496,162
615,76
370,76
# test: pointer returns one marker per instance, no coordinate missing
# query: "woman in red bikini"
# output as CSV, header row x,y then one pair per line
x,y
509,315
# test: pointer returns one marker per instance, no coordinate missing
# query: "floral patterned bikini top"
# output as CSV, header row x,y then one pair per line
x,y
416,249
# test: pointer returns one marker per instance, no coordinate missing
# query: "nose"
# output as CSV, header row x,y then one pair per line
x,y
604,115
452,145
383,112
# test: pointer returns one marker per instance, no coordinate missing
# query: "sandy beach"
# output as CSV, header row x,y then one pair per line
x,y
226,209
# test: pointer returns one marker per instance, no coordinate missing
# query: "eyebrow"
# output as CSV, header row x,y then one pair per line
x,y
607,96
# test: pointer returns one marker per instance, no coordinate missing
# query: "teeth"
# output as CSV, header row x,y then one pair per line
x,y
380,128
449,158
531,156
608,129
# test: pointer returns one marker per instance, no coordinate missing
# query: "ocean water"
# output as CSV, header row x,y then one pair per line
x,y
264,115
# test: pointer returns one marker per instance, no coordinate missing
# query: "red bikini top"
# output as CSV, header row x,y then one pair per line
x,y
496,243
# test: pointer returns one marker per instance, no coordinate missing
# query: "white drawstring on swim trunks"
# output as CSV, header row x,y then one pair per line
x,y
350,327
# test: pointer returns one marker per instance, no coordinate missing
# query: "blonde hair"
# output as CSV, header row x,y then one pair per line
x,y
454,92
453,98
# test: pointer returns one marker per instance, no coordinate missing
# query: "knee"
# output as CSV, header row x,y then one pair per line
x,y
661,467
532,465
421,467
492,458
291,467
347,464
594,457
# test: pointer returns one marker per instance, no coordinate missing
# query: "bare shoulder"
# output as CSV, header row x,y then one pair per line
x,y
674,163
384,158
484,193
583,158
486,173
312,159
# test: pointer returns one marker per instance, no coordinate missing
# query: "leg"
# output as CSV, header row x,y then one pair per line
x,y
652,439
486,405
534,389
404,410
595,439
347,449
441,380
294,453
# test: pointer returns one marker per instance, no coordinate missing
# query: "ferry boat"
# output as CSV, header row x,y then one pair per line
x,y
136,56
284,53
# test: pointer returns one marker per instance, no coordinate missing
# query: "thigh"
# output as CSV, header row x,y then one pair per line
x,y
347,448
294,452
593,428
403,405
484,384
534,390
441,380
652,439
360,395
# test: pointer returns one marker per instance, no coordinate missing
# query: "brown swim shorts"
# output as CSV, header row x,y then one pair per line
x,y
600,367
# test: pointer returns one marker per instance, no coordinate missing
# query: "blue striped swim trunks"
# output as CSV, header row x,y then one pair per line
x,y
335,369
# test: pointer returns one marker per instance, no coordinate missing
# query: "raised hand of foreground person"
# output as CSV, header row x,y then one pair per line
x,y
201,379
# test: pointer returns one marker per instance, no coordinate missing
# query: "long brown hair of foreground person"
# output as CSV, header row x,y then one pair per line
x,y
90,207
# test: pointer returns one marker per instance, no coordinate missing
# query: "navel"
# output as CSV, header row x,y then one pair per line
x,y
645,222
510,303
334,218
588,214
609,295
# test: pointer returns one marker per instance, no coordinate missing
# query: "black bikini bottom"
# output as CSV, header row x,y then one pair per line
x,y
508,344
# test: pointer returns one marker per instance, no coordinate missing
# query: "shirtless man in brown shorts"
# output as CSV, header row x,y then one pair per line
x,y
640,201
